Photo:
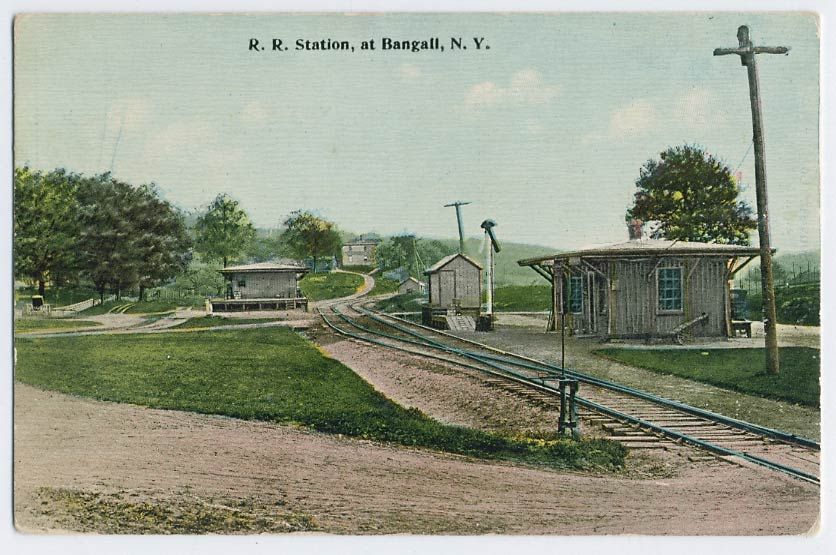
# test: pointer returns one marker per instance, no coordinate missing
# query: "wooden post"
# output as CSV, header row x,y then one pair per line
x,y
747,54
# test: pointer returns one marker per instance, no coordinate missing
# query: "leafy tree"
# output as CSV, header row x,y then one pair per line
x,y
693,197
308,235
161,241
128,236
224,231
411,253
45,226
108,253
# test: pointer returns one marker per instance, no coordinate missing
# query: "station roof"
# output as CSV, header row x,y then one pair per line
x,y
273,266
444,261
648,247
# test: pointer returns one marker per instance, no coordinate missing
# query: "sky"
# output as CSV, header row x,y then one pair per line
x,y
544,132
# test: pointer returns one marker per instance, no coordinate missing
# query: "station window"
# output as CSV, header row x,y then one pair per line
x,y
576,294
242,283
669,282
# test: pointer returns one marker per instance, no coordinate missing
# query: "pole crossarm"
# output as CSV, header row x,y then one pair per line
x,y
746,51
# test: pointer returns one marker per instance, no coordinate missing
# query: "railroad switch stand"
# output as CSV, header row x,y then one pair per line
x,y
568,420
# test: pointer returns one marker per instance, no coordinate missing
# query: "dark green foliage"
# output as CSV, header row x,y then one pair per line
x,y
268,374
58,296
317,287
408,302
736,369
796,304
411,253
693,196
307,235
384,286
128,236
523,298
223,231
45,225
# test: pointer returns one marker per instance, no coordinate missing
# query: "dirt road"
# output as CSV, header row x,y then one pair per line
x,y
347,486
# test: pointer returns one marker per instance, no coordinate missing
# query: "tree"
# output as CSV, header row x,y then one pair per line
x,y
308,235
45,226
693,196
107,250
409,252
224,231
162,244
128,236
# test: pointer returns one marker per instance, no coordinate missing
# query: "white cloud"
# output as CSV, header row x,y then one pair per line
x,y
695,108
635,118
524,87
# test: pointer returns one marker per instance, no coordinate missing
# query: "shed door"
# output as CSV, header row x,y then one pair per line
x,y
446,287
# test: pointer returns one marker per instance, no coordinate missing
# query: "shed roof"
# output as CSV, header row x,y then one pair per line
x,y
273,266
444,261
653,247
410,278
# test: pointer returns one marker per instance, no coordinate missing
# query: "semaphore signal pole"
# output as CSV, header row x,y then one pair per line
x,y
747,54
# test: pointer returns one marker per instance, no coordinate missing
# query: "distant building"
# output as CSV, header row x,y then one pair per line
x,y
410,285
645,287
455,282
359,252
266,285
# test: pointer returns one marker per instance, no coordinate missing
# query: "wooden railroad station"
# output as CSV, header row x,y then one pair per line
x,y
262,286
645,288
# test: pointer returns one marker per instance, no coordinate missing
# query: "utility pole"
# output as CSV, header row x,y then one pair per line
x,y
458,204
747,54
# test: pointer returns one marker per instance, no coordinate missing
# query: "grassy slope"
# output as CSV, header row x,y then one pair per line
x,y
210,321
383,286
317,287
267,374
408,302
523,298
735,369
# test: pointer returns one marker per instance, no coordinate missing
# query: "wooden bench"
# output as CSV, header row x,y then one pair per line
x,y
744,326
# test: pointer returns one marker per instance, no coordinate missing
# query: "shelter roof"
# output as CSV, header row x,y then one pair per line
x,y
272,266
649,247
444,261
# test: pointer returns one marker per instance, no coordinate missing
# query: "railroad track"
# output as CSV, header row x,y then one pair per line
x,y
637,419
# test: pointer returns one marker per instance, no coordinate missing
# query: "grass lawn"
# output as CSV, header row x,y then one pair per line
x,y
50,324
736,369
408,302
383,286
211,321
522,298
274,375
317,287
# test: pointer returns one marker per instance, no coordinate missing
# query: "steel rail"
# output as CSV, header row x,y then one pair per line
x,y
501,372
673,434
586,378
